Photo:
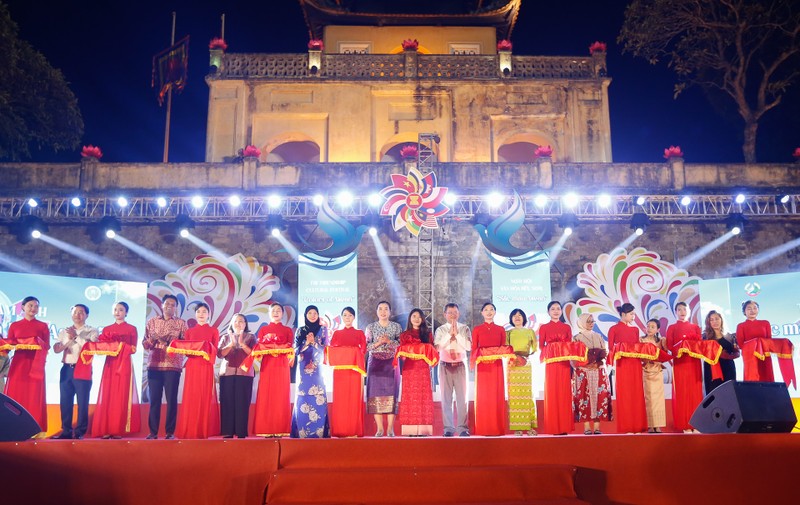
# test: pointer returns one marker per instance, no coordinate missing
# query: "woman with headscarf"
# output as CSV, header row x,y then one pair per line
x,y
310,418
592,395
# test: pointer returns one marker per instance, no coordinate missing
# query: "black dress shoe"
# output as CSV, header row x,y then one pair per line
x,y
151,436
63,436
448,433
169,436
463,434
78,437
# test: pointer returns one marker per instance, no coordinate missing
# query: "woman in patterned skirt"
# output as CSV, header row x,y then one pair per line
x,y
310,419
592,393
521,404
383,379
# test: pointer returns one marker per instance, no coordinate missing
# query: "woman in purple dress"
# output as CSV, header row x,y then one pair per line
x,y
383,379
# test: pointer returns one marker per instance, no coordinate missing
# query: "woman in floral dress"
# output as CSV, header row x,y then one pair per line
x,y
310,419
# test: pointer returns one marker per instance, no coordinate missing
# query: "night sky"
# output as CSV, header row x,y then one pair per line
x,y
106,55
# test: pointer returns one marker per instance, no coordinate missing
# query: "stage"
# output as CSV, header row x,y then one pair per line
x,y
624,469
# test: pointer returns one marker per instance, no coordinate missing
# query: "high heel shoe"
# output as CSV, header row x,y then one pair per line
x,y
379,433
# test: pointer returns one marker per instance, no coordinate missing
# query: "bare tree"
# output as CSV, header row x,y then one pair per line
x,y
747,49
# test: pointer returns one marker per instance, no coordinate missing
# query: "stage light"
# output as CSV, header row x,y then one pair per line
x,y
374,200
197,201
28,227
33,203
540,200
344,198
568,222
686,200
274,201
494,199
183,224
122,201
161,202
735,222
109,226
604,201
76,202
639,222
373,231
450,198
739,198
275,224
317,200
640,200
235,201
570,200
785,199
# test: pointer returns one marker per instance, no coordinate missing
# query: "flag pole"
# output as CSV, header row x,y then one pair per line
x,y
169,101
222,35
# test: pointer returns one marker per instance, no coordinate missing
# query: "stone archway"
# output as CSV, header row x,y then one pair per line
x,y
519,147
292,147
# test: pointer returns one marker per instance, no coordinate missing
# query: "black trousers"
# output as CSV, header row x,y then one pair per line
x,y
235,392
163,382
70,388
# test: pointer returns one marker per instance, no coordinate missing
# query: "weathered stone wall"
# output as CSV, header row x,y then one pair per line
x,y
462,270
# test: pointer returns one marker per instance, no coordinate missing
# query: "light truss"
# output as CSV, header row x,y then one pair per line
x,y
145,210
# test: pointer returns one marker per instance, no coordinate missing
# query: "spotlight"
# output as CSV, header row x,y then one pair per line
x,y
122,201
344,198
183,224
540,200
374,200
739,198
36,233
686,200
570,200
161,202
76,202
604,201
33,203
235,201
275,224
640,200
450,198
27,227
568,222
372,222
274,201
735,222
373,231
317,200
110,226
785,199
197,201
639,222
494,199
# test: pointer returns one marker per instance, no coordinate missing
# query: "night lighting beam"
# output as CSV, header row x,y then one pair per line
x,y
374,200
33,203
114,267
739,198
494,199
373,231
318,199
18,265
703,251
762,257
450,198
604,201
399,294
149,256
207,248
344,199
627,242
197,201
570,200
235,201
785,199
161,202
274,201
122,201
540,200
288,246
36,234
640,201
568,222
76,202
183,224
558,247
639,223
686,200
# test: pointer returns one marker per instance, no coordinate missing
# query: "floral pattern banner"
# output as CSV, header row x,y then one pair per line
x,y
654,286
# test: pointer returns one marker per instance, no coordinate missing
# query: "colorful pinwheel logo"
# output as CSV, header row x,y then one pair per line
x,y
414,201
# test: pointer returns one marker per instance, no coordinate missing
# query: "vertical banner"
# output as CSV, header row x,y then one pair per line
x,y
329,283
521,284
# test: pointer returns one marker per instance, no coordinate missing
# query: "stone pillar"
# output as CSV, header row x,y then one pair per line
x,y
410,63
314,61
599,63
249,173
545,166
505,63
88,169
215,60
678,172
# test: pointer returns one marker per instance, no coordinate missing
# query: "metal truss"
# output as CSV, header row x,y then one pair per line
x,y
146,210
425,243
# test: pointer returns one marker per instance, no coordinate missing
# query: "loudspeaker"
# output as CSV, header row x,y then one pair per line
x,y
746,407
16,423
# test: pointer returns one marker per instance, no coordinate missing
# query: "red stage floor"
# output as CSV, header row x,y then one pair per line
x,y
624,469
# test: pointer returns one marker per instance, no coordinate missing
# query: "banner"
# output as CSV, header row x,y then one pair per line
x,y
778,300
171,68
329,283
56,296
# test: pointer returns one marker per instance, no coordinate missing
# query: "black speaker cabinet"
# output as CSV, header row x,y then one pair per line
x,y
16,423
746,407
